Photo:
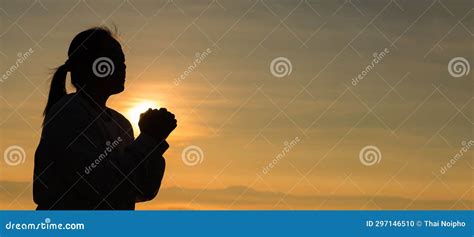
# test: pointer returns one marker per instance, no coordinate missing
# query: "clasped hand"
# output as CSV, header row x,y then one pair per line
x,y
157,123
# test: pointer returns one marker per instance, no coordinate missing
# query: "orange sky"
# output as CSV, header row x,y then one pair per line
x,y
243,117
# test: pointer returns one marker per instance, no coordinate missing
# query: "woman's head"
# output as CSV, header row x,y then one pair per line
x,y
96,63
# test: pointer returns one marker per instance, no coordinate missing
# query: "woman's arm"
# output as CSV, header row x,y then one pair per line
x,y
149,173
155,125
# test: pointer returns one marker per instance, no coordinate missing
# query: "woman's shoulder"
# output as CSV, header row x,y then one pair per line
x,y
117,114
122,121
68,111
69,104
120,118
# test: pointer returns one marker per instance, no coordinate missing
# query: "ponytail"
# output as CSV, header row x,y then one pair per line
x,y
83,47
57,89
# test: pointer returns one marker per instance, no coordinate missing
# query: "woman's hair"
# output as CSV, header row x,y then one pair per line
x,y
84,48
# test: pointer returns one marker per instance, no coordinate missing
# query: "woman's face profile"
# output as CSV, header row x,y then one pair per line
x,y
109,69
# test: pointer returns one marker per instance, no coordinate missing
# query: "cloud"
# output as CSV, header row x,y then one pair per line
x,y
243,197
17,195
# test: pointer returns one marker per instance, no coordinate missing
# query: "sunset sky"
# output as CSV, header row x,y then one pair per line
x,y
232,107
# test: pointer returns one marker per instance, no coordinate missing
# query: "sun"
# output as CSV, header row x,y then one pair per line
x,y
134,112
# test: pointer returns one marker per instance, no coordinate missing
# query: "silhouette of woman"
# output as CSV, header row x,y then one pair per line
x,y
87,157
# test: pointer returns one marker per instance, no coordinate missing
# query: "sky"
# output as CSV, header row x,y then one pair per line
x,y
280,104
